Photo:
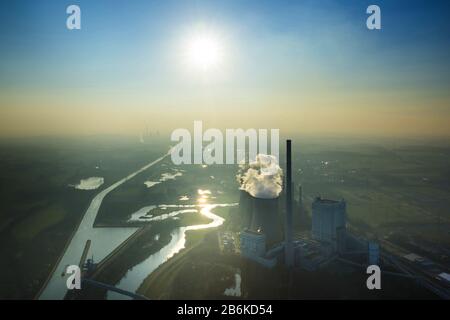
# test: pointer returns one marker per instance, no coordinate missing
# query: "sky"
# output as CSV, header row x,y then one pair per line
x,y
306,67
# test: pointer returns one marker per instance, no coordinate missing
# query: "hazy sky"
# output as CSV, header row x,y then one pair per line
x,y
301,66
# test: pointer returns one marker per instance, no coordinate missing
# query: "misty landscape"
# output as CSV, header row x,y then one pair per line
x,y
224,150
395,193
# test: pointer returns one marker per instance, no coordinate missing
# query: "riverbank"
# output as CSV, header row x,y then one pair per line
x,y
198,272
104,240
146,249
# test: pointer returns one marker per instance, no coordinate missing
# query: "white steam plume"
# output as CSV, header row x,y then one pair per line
x,y
262,178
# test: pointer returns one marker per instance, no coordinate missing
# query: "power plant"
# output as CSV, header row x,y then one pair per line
x,y
253,247
262,228
264,241
329,221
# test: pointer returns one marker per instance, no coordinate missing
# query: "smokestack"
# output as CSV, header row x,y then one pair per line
x,y
289,250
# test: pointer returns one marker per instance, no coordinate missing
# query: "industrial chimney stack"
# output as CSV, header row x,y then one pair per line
x,y
289,249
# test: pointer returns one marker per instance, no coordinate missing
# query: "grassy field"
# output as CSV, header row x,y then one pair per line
x,y
197,272
385,187
397,191
134,195
39,210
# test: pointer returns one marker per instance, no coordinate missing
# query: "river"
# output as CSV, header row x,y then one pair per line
x,y
103,240
135,276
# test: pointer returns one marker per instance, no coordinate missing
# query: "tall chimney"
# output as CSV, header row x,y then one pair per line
x,y
289,250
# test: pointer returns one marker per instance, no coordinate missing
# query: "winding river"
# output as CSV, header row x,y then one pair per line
x,y
135,276
105,240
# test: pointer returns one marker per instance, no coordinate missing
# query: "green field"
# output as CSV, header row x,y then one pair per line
x,y
398,191
39,210
387,189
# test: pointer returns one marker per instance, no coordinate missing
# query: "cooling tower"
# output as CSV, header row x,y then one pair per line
x,y
246,209
265,218
261,215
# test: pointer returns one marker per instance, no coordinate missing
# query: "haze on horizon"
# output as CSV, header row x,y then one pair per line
x,y
300,66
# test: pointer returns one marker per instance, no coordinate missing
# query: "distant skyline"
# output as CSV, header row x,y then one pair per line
x,y
306,67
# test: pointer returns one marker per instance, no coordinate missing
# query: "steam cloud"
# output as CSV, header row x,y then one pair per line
x,y
262,178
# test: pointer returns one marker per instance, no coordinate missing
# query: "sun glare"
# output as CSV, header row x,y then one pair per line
x,y
204,51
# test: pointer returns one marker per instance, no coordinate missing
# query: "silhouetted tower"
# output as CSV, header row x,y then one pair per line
x,y
289,250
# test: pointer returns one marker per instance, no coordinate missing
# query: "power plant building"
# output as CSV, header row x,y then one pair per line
x,y
329,221
253,247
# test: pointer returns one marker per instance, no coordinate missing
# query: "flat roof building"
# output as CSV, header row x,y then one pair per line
x,y
328,220
253,247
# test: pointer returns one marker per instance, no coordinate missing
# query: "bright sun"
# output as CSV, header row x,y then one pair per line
x,y
204,51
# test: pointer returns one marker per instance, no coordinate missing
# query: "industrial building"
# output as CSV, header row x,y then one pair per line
x,y
253,247
262,240
252,243
329,221
311,254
